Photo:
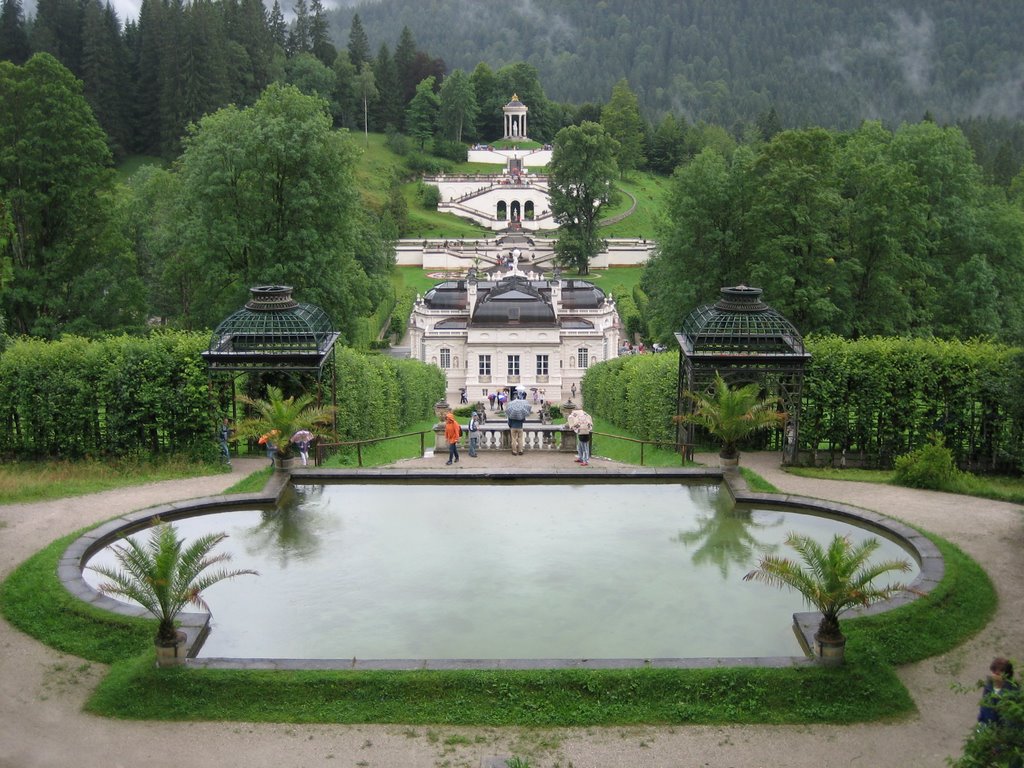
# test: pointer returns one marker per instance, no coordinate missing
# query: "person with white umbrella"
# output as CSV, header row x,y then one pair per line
x,y
580,422
302,439
517,412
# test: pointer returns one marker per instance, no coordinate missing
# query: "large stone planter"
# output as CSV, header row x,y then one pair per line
x,y
831,651
172,654
287,464
728,462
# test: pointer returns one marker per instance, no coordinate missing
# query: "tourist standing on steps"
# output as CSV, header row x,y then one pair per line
x,y
474,434
452,433
580,422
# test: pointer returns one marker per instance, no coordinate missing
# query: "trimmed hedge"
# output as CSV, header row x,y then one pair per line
x,y
139,396
877,398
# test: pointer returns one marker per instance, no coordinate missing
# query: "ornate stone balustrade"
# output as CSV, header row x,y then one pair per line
x,y
494,436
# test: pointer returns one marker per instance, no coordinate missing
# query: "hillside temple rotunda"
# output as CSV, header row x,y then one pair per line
x,y
515,119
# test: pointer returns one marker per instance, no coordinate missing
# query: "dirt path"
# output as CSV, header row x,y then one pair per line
x,y
42,691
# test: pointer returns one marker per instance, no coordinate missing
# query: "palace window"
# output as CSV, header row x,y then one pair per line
x,y
446,358
513,365
485,365
542,365
581,357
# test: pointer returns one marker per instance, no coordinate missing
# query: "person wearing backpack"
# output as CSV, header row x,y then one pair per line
x,y
452,433
474,434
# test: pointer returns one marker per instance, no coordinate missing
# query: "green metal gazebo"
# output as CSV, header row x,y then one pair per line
x,y
273,332
745,341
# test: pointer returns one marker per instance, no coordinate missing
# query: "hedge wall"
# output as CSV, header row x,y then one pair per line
x,y
877,398
150,395
121,396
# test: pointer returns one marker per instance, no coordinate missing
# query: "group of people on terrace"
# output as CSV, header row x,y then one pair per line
x,y
516,413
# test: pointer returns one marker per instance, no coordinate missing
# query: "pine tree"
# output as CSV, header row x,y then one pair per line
x,y
298,38
105,73
405,62
146,52
388,107
14,45
358,43
319,35
278,27
57,30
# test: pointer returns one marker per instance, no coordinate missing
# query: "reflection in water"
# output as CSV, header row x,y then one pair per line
x,y
725,534
294,529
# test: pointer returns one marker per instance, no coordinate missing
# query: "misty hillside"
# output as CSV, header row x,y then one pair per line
x,y
813,61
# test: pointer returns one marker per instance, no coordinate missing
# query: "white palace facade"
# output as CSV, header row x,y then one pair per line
x,y
507,328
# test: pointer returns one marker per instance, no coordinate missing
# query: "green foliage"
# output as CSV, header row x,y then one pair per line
x,y
429,195
163,575
873,232
282,417
382,395
123,395
266,197
582,170
455,151
64,265
930,466
742,61
732,414
33,600
636,393
877,398
41,480
832,579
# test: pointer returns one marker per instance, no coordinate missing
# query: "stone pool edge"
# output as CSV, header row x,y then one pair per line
x,y
196,625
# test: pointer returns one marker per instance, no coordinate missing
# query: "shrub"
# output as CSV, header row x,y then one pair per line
x,y
429,196
451,150
425,165
397,142
930,466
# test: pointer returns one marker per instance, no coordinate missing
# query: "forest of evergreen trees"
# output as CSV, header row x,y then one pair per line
x,y
205,83
816,62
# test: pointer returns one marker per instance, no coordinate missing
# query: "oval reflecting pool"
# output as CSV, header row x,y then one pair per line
x,y
396,571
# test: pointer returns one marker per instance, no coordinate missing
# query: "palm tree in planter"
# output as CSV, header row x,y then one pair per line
x,y
163,576
285,416
833,580
731,415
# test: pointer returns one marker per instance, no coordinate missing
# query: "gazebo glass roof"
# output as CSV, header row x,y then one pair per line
x,y
739,324
272,330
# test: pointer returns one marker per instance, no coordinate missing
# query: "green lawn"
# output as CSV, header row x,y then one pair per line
x,y
1010,489
28,481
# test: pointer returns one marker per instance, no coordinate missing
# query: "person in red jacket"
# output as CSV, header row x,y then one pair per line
x,y
452,433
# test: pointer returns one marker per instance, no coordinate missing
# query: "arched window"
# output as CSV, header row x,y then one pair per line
x,y
502,213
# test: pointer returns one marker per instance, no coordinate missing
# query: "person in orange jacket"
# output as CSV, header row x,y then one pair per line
x,y
452,432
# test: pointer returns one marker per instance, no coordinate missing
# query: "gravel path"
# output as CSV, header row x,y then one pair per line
x,y
42,691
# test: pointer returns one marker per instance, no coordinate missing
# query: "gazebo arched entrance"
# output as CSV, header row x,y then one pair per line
x,y
745,341
273,333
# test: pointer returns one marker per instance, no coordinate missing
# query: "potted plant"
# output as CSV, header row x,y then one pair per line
x,y
284,416
731,415
163,576
833,580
